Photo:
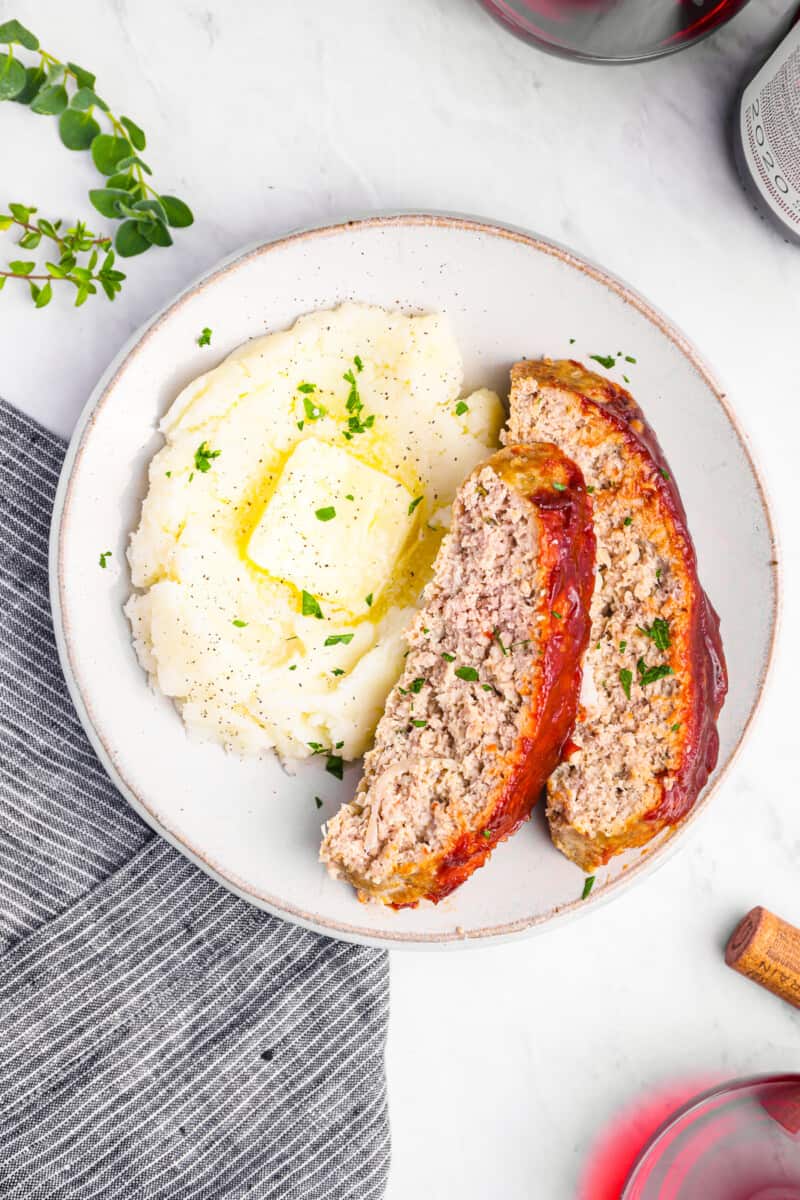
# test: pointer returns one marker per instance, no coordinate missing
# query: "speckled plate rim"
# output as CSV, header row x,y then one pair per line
x,y
652,857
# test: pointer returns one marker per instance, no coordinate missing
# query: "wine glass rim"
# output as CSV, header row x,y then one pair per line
x,y
588,58
731,1087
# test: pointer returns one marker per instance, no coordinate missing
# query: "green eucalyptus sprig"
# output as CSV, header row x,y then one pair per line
x,y
64,90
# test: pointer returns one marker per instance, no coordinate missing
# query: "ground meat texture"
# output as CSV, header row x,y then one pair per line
x,y
654,673
490,687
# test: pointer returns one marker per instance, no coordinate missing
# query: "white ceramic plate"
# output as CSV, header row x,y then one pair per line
x,y
509,295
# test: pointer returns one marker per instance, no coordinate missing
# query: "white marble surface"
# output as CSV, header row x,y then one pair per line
x,y
504,1063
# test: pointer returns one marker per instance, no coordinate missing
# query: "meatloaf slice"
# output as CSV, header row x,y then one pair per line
x,y
490,687
654,674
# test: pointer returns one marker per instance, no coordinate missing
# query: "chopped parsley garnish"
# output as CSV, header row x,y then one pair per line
x,y
414,504
658,632
358,363
664,474
239,624
308,388
337,671
487,687
293,667
318,802
505,649
368,600
417,685
590,490
300,425
314,412
106,554
588,884
339,745
558,616
625,377
628,521
560,487
487,833
676,727
418,724
448,657
316,747
168,474
335,766
310,606
349,496
325,514
572,341
630,358
623,646
470,674
203,457
605,360
205,337
336,639
658,574
649,675
626,679
461,408
355,406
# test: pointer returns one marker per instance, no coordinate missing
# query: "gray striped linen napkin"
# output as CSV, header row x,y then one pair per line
x,y
159,1037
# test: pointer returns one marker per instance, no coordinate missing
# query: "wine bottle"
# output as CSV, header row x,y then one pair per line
x,y
767,138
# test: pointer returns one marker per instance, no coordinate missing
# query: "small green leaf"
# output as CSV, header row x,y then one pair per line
x,y
151,206
12,77
157,234
22,268
335,639
123,180
325,514
335,766
45,295
138,140
30,240
133,160
12,33
83,78
22,212
129,241
626,679
107,152
469,674
205,337
105,200
2,282
5,223
310,606
461,408
240,624
77,129
179,215
588,884
50,101
34,78
413,504
85,98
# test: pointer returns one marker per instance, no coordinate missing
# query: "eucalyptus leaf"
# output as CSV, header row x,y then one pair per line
x,y
157,234
105,200
13,33
179,215
107,151
82,77
12,77
129,241
77,129
136,134
34,78
50,101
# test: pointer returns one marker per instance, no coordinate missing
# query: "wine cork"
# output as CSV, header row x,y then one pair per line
x,y
767,950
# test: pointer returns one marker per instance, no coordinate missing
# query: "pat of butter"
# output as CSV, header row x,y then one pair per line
x,y
343,557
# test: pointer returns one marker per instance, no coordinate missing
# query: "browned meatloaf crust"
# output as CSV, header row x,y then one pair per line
x,y
654,674
490,687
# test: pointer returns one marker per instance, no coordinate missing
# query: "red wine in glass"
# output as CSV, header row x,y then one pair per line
x,y
613,30
738,1142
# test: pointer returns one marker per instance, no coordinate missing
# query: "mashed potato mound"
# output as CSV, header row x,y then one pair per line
x,y
290,525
